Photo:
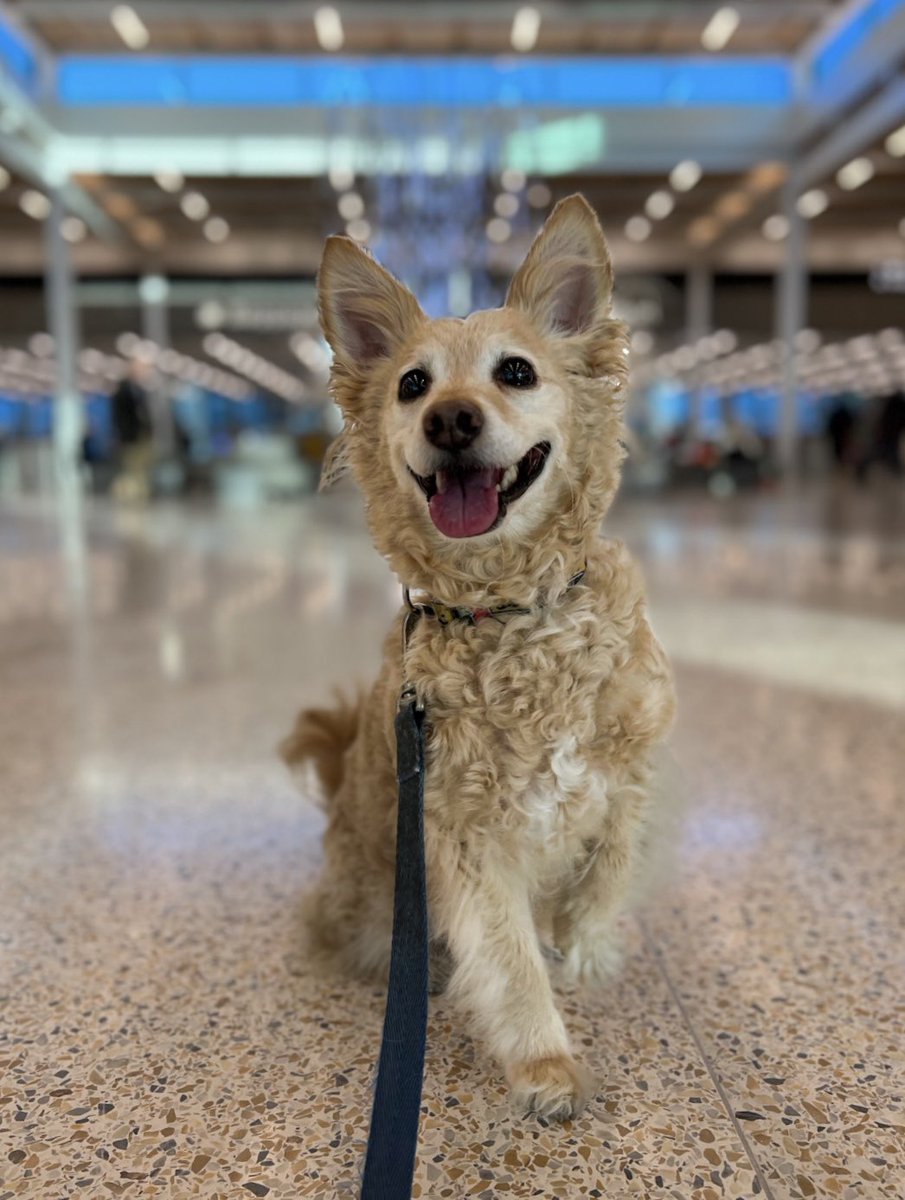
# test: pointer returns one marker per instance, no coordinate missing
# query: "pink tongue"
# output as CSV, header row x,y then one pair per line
x,y
467,504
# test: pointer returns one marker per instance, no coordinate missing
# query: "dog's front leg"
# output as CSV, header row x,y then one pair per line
x,y
482,908
584,925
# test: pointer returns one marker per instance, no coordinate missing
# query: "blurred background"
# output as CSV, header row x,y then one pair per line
x,y
171,168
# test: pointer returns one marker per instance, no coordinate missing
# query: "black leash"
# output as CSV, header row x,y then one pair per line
x,y
393,1138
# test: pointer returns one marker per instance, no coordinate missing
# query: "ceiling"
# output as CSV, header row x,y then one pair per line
x,y
376,27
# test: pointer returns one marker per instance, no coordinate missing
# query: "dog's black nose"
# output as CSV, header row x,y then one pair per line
x,y
453,425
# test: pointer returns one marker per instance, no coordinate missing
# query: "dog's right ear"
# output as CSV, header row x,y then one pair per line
x,y
365,313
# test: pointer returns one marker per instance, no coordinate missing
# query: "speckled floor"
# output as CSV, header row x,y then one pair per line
x,y
159,1035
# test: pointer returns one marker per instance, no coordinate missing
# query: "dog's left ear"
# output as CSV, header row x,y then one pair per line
x,y
566,282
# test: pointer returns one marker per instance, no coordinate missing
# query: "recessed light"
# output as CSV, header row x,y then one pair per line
x,y
169,181
855,173
35,204
341,178
812,203
539,195
498,229
73,229
659,205
216,229
505,205
637,229
130,27
895,143
350,206
328,28
685,175
358,230
719,29
512,180
195,206
776,228
525,28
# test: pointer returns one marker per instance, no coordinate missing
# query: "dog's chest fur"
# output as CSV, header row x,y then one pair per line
x,y
516,713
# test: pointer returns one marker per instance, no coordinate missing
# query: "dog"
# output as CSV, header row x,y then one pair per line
x,y
488,451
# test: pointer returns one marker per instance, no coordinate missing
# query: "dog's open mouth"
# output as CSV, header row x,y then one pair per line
x,y
467,501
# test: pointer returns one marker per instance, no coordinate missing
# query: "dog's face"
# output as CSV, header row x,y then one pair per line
x,y
474,431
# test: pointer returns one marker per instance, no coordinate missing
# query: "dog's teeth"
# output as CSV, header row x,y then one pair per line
x,y
509,478
442,479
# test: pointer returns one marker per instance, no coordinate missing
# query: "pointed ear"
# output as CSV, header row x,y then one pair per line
x,y
365,313
566,282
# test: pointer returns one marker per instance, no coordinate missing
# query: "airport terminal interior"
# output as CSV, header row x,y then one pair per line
x,y
173,587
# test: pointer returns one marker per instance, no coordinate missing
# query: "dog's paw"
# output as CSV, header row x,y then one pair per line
x,y
556,1088
591,962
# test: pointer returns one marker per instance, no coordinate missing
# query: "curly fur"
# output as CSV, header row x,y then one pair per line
x,y
541,726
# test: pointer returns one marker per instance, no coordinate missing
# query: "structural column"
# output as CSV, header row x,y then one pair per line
x,y
62,323
698,324
791,317
154,292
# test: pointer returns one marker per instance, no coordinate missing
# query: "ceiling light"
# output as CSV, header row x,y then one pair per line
x,y
895,143
194,205
719,29
498,229
765,177
120,206
854,173
659,204
216,229
776,228
539,195
130,27
35,204
637,229
328,27
813,203
685,175
351,206
525,28
512,180
73,229
358,230
147,231
4,178
341,178
732,205
505,205
169,181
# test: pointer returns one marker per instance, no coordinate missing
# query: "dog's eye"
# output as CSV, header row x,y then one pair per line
x,y
516,372
413,384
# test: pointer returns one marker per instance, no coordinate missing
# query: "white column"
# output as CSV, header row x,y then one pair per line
x,y
62,323
698,324
154,291
791,316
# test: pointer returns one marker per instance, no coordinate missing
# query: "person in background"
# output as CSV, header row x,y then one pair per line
x,y
133,430
840,433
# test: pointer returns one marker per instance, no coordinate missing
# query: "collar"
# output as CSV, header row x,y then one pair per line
x,y
445,614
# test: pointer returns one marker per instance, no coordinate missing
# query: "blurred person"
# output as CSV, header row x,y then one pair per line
x,y
133,432
841,428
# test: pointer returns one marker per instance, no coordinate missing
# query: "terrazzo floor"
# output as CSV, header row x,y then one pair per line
x,y
160,1034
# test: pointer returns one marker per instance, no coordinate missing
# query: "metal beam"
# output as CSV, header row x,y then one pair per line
x,y
856,133
28,152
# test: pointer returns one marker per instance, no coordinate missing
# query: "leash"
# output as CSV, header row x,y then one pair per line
x,y
393,1137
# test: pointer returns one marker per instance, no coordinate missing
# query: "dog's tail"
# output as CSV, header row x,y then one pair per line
x,y
321,737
